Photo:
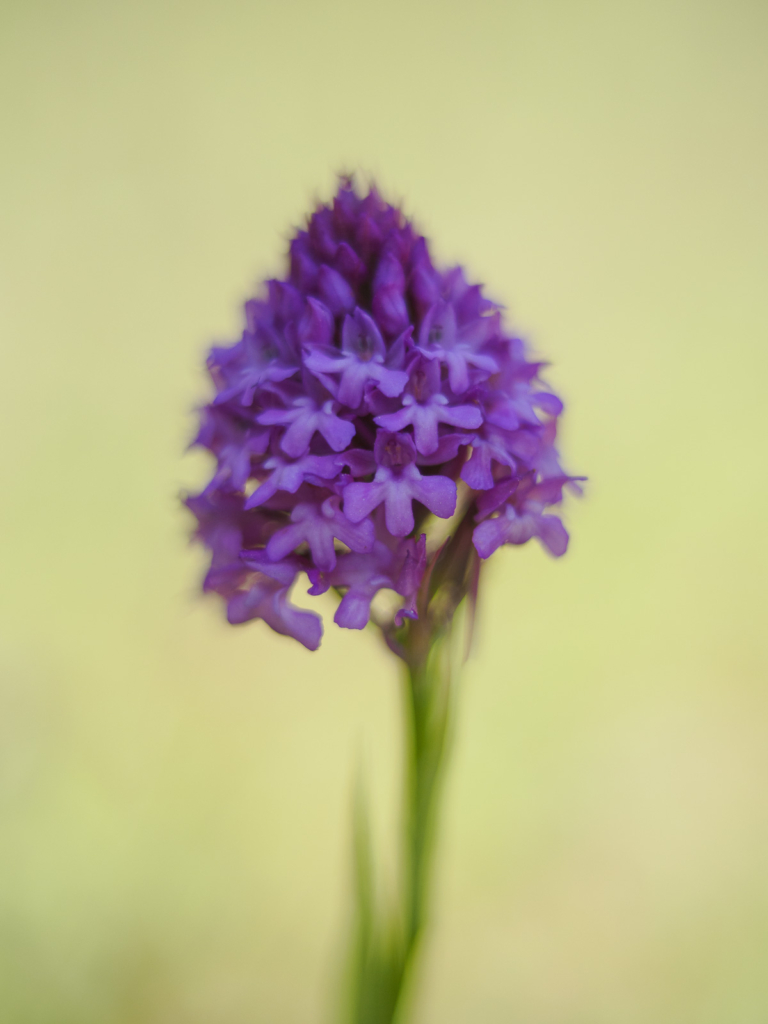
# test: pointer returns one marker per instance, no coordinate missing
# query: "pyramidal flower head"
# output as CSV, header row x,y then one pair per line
x,y
370,395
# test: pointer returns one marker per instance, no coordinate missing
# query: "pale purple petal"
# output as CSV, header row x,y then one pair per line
x,y
334,290
396,420
285,541
553,535
354,611
361,499
361,337
551,404
467,416
316,326
337,432
359,536
398,510
353,382
476,471
390,309
458,374
327,361
285,618
391,382
489,536
284,572
438,493
269,601
295,441
447,448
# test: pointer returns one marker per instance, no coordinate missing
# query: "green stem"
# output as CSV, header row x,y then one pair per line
x,y
427,695
387,946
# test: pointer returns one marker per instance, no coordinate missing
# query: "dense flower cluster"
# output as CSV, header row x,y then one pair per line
x,y
365,386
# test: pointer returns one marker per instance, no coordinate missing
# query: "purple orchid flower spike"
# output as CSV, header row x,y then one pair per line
x,y
362,359
366,384
397,484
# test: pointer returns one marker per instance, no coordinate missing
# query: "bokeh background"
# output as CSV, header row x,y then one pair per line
x,y
175,794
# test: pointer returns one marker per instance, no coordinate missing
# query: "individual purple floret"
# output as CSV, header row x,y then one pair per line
x,y
425,407
361,360
370,395
396,485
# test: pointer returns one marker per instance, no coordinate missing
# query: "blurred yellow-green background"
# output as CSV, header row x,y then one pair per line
x,y
174,793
